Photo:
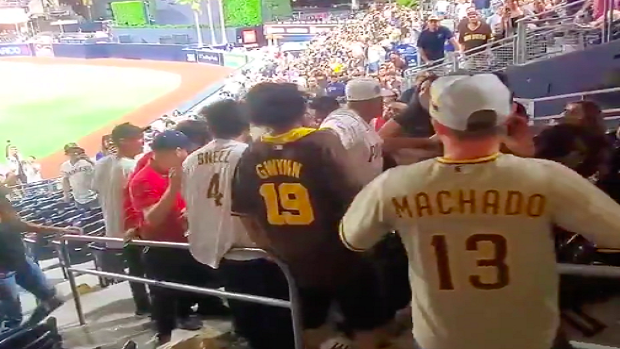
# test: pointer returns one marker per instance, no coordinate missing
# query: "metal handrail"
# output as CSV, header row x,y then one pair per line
x,y
574,94
293,303
554,9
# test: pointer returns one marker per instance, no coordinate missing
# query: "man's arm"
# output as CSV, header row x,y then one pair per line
x,y
367,219
579,206
343,131
66,188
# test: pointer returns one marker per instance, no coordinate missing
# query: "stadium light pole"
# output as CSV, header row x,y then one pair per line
x,y
198,29
211,25
222,21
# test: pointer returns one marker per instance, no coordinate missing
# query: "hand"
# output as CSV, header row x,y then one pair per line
x,y
175,174
66,199
131,234
71,230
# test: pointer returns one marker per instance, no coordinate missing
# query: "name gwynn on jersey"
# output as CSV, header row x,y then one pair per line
x,y
490,202
278,167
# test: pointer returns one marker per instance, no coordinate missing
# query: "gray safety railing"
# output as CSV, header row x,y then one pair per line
x,y
530,103
533,38
293,303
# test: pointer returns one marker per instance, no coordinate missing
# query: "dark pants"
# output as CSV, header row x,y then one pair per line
x,y
264,326
175,265
391,260
114,262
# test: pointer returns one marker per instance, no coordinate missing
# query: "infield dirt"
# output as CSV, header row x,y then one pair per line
x,y
195,78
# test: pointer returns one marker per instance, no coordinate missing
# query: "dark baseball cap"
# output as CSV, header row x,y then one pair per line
x,y
126,131
72,146
171,140
196,130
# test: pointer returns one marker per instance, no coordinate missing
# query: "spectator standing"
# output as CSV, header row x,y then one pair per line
x,y
433,39
32,169
77,177
351,124
473,38
16,165
213,231
155,191
321,107
110,178
335,88
18,269
304,236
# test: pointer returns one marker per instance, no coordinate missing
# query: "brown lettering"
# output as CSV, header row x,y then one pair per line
x,y
490,202
442,206
402,206
535,206
514,203
467,201
423,203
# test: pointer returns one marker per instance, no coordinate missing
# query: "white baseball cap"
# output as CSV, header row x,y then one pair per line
x,y
453,100
362,89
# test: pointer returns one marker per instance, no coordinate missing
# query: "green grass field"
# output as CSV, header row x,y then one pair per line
x,y
42,107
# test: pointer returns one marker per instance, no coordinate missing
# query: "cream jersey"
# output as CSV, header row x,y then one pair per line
x,y
80,177
479,240
109,180
207,178
360,139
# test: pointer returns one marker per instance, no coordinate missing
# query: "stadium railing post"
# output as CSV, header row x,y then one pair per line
x,y
293,303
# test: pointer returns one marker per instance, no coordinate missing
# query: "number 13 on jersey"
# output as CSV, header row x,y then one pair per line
x,y
473,244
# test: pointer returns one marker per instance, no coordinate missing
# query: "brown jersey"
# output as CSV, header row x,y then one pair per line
x,y
298,186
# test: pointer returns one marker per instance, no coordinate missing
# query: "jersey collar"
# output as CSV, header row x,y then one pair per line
x,y
480,160
288,137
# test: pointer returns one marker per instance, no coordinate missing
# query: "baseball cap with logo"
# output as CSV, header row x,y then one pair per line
x,y
171,140
72,146
126,131
362,89
456,102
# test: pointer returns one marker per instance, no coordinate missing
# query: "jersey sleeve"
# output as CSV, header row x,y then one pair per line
x,y
344,180
344,132
579,206
366,220
243,182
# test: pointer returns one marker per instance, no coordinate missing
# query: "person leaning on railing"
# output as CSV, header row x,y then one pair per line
x,y
18,269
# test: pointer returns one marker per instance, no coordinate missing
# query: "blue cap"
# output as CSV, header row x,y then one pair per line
x,y
171,140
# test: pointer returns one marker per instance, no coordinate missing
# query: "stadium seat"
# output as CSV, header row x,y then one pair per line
x,y
42,336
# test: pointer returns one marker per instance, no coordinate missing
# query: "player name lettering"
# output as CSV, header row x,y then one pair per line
x,y
468,202
213,157
78,170
278,167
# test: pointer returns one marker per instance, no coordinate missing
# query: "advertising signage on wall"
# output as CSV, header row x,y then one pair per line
x,y
210,57
14,50
283,29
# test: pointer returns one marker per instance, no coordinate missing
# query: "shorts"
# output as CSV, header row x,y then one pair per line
x,y
359,300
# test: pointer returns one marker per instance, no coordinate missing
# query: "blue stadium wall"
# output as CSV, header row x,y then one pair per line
x,y
592,69
157,52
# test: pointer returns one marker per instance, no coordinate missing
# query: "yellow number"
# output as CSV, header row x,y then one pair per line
x,y
213,192
288,204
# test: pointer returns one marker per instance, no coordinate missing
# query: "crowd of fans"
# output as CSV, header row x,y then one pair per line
x,y
199,181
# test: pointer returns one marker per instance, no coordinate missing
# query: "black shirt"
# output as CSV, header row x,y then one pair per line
x,y
415,119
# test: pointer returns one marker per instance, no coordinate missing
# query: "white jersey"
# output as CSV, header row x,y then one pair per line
x,y
109,181
361,141
479,239
80,177
207,179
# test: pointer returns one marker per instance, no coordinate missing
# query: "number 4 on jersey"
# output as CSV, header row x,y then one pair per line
x,y
213,192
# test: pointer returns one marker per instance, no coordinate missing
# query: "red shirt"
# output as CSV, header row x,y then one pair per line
x,y
133,218
146,189
377,123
